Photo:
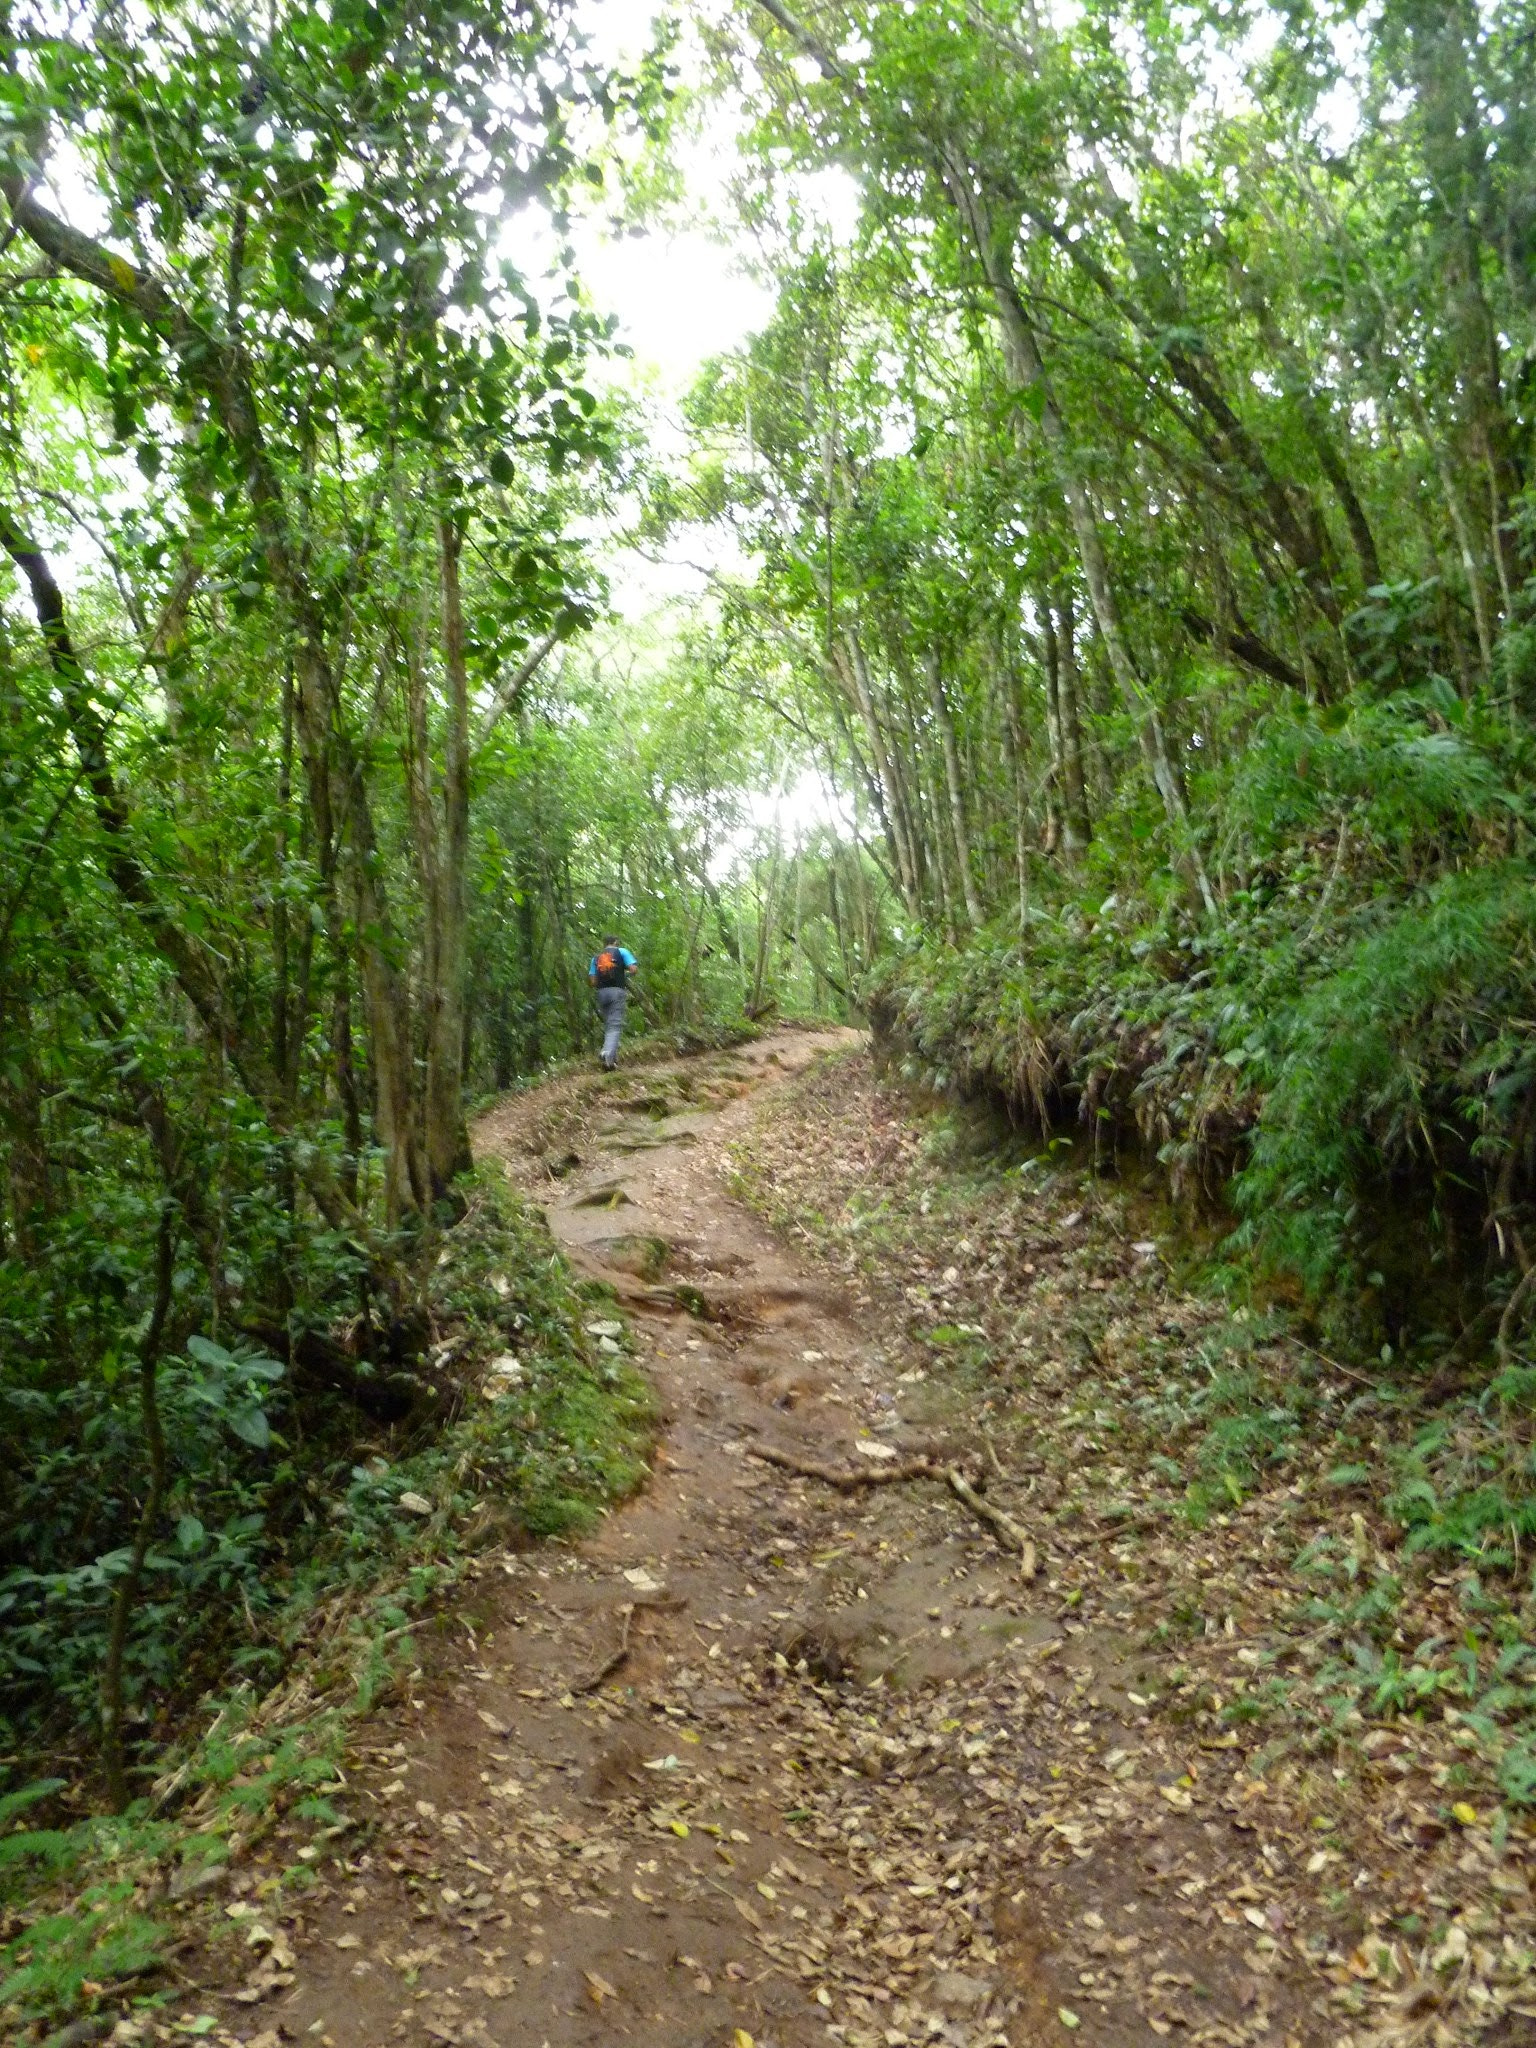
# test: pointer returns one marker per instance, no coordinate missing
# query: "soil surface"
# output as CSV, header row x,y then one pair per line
x,y
762,1757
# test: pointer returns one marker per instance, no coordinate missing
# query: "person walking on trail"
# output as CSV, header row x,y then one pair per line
x,y
609,971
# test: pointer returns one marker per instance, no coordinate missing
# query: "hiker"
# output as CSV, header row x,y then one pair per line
x,y
609,971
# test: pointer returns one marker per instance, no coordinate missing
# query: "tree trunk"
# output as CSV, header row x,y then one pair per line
x,y
1077,821
446,1138
1022,354
1440,34
347,1090
939,854
29,1171
848,659
194,968
1005,685
112,1703
215,368
944,720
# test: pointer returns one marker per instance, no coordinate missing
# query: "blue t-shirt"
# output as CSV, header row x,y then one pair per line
x,y
630,962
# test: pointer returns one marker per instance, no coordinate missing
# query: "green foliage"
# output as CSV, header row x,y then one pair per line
x,y
543,1457
100,1939
252,1536
1466,1486
1350,1028
1404,1048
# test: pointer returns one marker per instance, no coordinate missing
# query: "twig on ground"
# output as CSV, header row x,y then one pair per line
x,y
616,1662
1333,1364
1004,1525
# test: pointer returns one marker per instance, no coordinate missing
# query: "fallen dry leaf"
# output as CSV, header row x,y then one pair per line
x,y
598,1988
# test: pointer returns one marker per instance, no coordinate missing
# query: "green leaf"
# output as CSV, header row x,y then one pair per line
x,y
1030,398
206,1352
252,1427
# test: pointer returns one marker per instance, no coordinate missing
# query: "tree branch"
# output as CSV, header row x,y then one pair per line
x,y
1248,647
509,694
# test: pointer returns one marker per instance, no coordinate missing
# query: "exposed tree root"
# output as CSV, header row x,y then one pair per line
x,y
849,1481
612,1664
1003,1525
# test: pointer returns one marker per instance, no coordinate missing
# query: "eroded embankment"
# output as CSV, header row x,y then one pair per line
x,y
1354,1092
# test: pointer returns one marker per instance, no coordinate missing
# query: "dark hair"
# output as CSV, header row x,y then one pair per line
x,y
613,940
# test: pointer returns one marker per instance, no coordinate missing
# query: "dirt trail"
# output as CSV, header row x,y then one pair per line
x,y
807,1802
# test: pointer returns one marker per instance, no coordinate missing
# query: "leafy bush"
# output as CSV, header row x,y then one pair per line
x,y
281,1492
1343,1052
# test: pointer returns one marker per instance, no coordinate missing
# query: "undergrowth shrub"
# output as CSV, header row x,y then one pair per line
x,y
1412,1046
279,1498
547,1422
1343,1055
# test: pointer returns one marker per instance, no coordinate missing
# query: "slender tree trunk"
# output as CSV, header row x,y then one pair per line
x,y
1452,124
390,1060
285,1054
1022,354
280,911
907,800
909,765
1285,511
114,1761
1013,745
767,912
1398,372
215,367
1079,822
447,1139
344,1057
867,942
531,1055
196,970
848,657
1299,385
944,720
938,855
1050,668
29,1171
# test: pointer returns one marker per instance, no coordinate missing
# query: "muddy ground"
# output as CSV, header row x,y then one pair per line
x,y
765,1758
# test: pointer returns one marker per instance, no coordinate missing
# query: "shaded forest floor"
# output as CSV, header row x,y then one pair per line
x,y
768,1758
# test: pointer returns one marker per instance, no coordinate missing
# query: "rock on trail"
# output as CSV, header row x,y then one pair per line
x,y
755,1759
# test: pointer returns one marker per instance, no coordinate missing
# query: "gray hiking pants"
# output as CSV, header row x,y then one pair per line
x,y
611,1004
